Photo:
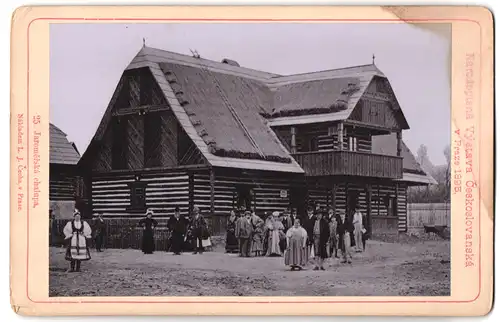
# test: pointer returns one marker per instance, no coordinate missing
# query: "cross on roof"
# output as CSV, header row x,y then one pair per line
x,y
373,59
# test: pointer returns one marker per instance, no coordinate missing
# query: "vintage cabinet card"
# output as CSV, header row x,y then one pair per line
x,y
252,161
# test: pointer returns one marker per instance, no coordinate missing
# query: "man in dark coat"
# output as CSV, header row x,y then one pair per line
x,y
100,232
177,226
321,236
308,224
366,234
244,233
344,230
198,228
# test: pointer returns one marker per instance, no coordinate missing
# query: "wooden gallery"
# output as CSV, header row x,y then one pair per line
x,y
185,131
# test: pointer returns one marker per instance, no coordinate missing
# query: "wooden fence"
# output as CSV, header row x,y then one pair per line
x,y
125,233
428,214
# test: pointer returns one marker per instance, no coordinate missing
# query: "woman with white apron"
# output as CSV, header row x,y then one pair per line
x,y
76,233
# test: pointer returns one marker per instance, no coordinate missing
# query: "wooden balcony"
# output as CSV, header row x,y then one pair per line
x,y
349,163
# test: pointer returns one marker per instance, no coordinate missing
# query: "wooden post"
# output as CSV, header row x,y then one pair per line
x,y
334,198
293,144
399,137
341,136
369,207
212,191
191,193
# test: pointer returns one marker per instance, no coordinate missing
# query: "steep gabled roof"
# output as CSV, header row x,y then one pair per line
x,y
221,106
61,150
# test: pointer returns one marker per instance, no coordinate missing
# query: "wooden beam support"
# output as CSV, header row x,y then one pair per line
x,y
191,192
293,144
334,198
400,139
369,207
140,109
341,136
212,191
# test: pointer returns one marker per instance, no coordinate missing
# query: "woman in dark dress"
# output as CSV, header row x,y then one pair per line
x,y
231,240
148,224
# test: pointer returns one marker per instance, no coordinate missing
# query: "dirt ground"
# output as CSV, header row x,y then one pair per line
x,y
412,267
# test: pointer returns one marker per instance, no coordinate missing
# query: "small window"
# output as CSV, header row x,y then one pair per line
x,y
313,144
332,130
138,196
391,205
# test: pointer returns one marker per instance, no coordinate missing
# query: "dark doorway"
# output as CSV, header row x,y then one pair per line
x,y
298,198
244,198
352,202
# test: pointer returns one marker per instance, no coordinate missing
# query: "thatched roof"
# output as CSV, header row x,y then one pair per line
x,y
234,128
61,150
227,110
314,97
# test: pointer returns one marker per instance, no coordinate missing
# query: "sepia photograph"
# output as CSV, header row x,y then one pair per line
x,y
249,159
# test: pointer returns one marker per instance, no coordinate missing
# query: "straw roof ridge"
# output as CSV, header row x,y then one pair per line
x,y
314,97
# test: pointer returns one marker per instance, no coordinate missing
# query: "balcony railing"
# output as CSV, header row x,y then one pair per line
x,y
349,163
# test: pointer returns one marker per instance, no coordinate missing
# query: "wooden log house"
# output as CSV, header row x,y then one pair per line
x,y
63,178
185,131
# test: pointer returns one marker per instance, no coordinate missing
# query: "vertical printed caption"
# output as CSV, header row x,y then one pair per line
x,y
36,162
21,155
464,163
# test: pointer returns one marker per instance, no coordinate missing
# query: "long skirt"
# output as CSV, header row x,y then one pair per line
x,y
148,242
231,242
77,249
273,244
296,255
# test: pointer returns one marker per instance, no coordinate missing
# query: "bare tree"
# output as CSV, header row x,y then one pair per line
x,y
447,155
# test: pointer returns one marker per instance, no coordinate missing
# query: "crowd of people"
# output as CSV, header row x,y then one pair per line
x,y
318,235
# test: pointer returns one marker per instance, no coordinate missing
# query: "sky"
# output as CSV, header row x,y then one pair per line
x,y
87,60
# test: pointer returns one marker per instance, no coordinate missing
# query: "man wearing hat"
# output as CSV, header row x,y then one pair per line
x,y
100,227
177,226
308,224
244,232
76,232
344,231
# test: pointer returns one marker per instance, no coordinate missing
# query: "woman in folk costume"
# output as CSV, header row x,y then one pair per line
x,y
357,221
321,235
76,233
148,224
296,252
344,231
231,240
274,228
